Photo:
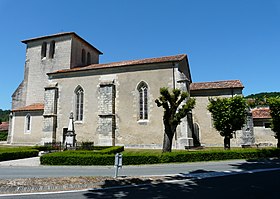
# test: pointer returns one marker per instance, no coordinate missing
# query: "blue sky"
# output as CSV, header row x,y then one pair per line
x,y
224,39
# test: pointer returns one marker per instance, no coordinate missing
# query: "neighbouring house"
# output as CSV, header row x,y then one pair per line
x,y
4,126
112,103
204,132
263,134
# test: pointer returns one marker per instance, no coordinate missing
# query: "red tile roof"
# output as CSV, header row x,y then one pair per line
x,y
216,85
4,126
261,113
32,107
165,59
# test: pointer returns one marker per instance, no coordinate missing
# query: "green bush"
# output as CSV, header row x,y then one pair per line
x,y
111,150
61,158
3,136
12,154
104,156
141,159
136,158
195,156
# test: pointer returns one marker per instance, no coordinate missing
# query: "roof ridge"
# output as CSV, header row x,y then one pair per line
x,y
163,59
224,84
217,81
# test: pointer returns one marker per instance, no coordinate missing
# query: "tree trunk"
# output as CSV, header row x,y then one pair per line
x,y
227,142
167,140
278,142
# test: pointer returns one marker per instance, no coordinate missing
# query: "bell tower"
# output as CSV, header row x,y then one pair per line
x,y
48,54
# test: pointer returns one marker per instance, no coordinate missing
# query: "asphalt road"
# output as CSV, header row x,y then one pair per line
x,y
239,186
9,172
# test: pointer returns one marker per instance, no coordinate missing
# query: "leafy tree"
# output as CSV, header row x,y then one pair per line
x,y
263,95
176,106
4,115
274,106
259,99
229,115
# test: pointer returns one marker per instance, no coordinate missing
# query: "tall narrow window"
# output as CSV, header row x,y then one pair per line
x,y
79,104
52,49
88,58
27,123
83,56
143,101
44,50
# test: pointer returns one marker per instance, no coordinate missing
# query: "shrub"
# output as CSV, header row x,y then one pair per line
x,y
62,158
140,159
3,136
136,158
111,150
12,154
106,156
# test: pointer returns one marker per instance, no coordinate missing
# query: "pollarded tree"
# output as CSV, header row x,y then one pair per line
x,y
274,106
229,115
176,106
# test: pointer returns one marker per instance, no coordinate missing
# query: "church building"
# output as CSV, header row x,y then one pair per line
x,y
111,103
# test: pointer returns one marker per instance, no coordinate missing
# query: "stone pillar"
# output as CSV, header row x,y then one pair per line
x,y
50,114
11,128
185,129
247,137
70,137
106,108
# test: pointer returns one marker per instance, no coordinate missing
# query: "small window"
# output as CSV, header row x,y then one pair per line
x,y
88,58
79,104
143,101
44,50
27,123
83,56
52,49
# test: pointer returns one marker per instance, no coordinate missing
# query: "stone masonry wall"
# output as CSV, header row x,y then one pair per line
x,y
106,121
50,117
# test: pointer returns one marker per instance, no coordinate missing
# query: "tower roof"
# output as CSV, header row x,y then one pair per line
x,y
59,35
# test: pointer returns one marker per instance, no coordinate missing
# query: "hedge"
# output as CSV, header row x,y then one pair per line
x,y
18,153
77,159
105,156
92,158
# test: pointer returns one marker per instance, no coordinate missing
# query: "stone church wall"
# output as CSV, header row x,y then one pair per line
x,y
19,133
129,130
38,67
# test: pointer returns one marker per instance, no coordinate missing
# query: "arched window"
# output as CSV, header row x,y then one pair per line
x,y
52,49
88,58
43,50
83,56
27,123
79,103
143,100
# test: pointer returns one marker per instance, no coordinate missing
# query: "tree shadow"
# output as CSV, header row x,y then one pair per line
x,y
258,164
192,185
257,185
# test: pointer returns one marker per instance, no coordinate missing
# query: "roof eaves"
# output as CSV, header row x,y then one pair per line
x,y
176,58
32,107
